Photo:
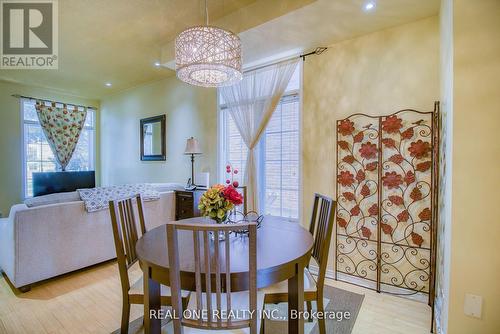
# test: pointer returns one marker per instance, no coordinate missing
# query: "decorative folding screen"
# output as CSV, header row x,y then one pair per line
x,y
386,195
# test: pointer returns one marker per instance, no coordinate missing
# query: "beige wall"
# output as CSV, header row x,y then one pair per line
x,y
190,112
374,74
11,141
475,228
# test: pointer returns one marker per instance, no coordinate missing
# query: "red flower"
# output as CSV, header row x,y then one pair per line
x,y
368,150
345,178
232,195
392,124
419,149
346,127
392,180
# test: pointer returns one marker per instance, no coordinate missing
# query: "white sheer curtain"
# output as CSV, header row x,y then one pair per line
x,y
251,103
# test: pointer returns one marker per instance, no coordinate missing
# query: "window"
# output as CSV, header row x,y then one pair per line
x,y
38,156
278,150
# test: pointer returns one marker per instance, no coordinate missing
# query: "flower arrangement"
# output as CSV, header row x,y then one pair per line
x,y
218,200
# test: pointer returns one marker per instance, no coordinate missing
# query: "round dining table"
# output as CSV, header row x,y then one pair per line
x,y
283,251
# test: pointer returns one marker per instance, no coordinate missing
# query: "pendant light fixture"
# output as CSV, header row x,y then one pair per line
x,y
208,56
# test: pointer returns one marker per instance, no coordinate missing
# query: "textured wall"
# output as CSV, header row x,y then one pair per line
x,y
190,112
374,74
475,227
11,181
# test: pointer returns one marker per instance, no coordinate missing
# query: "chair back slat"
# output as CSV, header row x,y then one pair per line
x,y
218,292
197,264
321,228
208,275
123,223
215,255
228,274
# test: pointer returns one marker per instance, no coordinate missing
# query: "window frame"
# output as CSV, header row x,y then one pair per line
x,y
24,152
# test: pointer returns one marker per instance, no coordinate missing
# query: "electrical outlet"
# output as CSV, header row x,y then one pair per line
x,y
473,305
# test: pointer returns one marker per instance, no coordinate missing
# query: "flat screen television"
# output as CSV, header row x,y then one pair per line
x,y
59,182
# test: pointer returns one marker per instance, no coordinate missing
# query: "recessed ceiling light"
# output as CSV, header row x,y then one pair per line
x,y
369,6
157,64
108,84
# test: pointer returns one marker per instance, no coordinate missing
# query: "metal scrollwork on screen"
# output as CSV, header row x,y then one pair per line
x,y
386,197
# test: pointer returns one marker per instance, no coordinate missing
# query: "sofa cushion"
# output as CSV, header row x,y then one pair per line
x,y
52,199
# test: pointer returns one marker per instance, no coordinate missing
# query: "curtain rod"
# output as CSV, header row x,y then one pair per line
x,y
317,51
46,100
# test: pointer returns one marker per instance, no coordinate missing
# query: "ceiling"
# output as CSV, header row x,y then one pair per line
x,y
119,41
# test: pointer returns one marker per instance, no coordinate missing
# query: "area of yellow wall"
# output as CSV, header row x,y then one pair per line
x,y
475,230
11,141
190,111
375,74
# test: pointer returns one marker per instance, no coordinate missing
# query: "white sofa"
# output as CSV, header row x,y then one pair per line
x,y
41,242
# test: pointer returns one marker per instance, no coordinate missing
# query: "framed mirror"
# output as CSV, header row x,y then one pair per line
x,y
153,138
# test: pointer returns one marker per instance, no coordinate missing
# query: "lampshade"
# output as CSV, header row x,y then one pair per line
x,y
208,56
192,146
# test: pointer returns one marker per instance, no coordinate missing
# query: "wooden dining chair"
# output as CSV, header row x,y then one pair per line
x,y
321,228
123,221
212,266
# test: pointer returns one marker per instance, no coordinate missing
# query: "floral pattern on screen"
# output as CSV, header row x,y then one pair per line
x,y
385,200
62,128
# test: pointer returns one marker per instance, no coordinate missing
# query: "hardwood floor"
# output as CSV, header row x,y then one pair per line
x,y
89,301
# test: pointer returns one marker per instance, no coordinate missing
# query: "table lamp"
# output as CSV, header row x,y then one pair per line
x,y
192,147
